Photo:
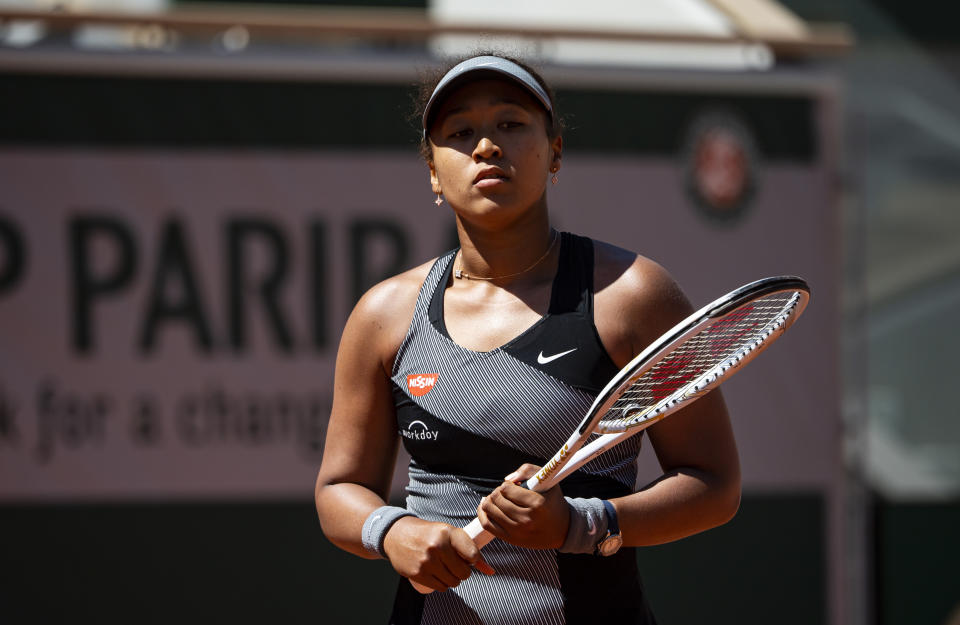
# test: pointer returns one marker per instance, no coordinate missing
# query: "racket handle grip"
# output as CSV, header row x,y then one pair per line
x,y
479,536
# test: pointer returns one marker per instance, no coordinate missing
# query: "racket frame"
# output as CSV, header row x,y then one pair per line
x,y
605,441
555,469
576,452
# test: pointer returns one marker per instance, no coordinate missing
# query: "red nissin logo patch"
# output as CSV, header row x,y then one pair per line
x,y
421,383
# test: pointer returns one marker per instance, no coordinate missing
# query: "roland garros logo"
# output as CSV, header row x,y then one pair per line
x,y
421,383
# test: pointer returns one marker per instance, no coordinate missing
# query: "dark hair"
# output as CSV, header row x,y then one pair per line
x,y
429,80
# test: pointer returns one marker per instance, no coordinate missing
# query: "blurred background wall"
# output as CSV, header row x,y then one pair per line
x,y
193,195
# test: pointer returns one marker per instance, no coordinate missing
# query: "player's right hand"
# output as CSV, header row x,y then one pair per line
x,y
435,555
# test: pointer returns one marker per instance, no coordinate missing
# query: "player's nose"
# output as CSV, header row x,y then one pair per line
x,y
486,149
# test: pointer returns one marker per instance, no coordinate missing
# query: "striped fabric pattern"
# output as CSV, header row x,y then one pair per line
x,y
526,586
496,396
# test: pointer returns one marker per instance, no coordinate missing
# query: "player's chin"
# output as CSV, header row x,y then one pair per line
x,y
494,213
489,204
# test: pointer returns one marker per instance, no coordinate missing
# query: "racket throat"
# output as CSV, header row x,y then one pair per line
x,y
553,464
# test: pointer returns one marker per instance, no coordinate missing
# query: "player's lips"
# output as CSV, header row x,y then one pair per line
x,y
490,176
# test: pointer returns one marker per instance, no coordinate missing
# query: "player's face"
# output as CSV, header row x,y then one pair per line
x,y
491,151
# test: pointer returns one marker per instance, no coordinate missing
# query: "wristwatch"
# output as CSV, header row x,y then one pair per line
x,y
612,542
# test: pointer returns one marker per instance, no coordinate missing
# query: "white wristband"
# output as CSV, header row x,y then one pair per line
x,y
377,525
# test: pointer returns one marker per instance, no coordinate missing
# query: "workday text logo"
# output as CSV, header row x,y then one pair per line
x,y
418,431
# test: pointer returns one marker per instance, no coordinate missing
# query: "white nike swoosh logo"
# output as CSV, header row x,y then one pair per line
x,y
545,359
591,527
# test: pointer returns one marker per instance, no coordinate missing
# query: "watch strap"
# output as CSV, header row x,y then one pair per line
x,y
613,524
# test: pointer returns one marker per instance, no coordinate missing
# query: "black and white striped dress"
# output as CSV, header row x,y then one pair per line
x,y
469,418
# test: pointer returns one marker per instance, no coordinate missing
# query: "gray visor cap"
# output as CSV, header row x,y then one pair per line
x,y
495,64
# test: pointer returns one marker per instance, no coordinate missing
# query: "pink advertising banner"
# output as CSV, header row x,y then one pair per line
x,y
169,320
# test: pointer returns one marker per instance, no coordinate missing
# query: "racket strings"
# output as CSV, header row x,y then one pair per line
x,y
700,361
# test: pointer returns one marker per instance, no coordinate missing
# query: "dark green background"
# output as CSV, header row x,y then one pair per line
x,y
95,111
269,563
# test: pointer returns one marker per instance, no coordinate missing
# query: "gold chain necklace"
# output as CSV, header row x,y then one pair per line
x,y
458,273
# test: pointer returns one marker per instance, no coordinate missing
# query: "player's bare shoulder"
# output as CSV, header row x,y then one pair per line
x,y
383,314
636,300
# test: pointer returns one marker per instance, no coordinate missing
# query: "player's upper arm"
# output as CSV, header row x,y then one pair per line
x,y
361,436
638,302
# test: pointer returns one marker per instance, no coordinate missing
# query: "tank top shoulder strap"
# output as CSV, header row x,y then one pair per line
x,y
573,291
434,296
439,272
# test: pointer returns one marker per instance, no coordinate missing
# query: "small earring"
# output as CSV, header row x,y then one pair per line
x,y
554,180
439,200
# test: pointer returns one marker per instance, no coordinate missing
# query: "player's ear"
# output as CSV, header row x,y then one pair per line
x,y
434,180
556,144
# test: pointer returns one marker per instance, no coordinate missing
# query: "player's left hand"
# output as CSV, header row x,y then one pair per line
x,y
523,517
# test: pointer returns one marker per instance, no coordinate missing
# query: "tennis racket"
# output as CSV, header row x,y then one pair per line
x,y
687,362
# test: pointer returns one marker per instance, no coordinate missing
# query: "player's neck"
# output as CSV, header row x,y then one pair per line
x,y
523,252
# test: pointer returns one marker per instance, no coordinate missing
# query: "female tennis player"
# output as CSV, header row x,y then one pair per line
x,y
482,362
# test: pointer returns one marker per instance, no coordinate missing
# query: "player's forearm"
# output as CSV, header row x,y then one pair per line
x,y
342,509
681,503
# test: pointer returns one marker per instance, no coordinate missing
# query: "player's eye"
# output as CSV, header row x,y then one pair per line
x,y
463,132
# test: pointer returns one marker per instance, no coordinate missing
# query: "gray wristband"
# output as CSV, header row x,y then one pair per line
x,y
588,525
377,525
